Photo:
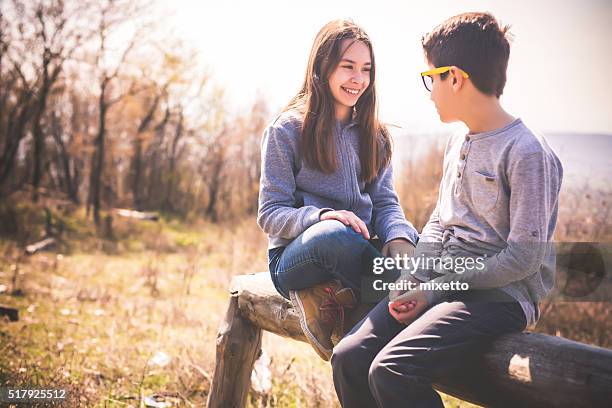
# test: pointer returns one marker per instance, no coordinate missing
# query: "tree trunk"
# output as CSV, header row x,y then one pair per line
x,y
97,160
39,137
16,130
69,181
178,133
136,174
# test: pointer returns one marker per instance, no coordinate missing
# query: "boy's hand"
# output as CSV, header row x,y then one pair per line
x,y
409,307
398,246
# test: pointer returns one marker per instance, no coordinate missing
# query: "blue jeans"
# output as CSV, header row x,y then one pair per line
x,y
327,250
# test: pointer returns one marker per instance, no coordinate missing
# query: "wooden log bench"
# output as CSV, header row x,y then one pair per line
x,y
519,370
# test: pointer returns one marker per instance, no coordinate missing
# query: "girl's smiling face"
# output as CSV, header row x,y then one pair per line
x,y
351,77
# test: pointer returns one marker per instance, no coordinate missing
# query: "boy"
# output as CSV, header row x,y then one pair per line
x,y
497,205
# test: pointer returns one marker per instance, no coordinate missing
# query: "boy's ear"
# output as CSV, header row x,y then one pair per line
x,y
456,78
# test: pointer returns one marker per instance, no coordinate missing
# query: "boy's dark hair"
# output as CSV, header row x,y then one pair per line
x,y
477,44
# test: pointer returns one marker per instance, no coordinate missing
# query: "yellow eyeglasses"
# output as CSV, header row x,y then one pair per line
x,y
428,80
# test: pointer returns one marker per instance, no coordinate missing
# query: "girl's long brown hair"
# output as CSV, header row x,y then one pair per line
x,y
316,103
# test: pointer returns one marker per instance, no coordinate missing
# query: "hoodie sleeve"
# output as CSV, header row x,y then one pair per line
x,y
277,214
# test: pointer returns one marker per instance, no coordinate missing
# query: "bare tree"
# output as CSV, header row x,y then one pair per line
x,y
57,40
17,91
137,159
169,72
69,117
174,156
35,45
113,14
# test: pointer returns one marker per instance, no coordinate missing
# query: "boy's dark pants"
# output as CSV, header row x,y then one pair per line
x,y
383,363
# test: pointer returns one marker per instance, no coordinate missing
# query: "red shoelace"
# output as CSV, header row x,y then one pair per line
x,y
332,307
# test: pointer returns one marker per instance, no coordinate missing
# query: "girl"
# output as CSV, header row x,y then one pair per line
x,y
326,185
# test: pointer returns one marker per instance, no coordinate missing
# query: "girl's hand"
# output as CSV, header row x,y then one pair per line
x,y
349,219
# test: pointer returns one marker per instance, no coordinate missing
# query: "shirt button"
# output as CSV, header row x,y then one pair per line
x,y
467,138
463,156
458,174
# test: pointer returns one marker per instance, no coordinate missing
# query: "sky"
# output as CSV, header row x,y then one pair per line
x,y
558,74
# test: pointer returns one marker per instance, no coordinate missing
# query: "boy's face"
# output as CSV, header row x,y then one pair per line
x,y
444,96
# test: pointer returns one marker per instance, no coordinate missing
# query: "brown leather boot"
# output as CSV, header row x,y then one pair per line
x,y
319,309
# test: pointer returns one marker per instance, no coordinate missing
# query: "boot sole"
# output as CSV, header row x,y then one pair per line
x,y
322,351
